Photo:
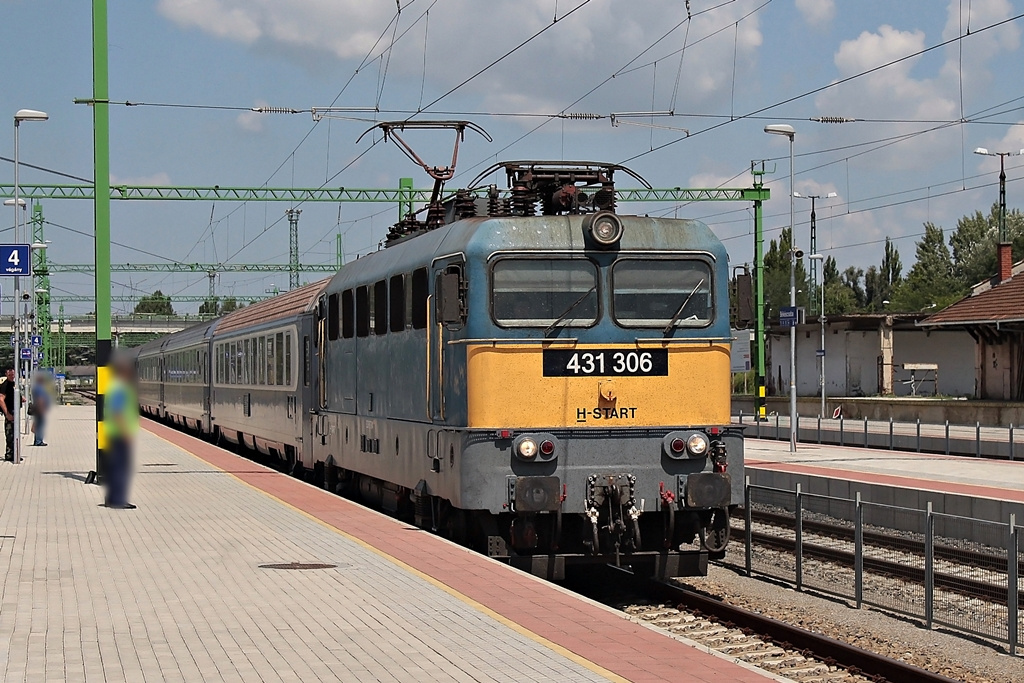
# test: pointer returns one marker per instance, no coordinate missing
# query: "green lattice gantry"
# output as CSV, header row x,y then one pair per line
x,y
345,194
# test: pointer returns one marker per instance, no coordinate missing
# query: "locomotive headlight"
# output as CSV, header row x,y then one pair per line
x,y
697,444
605,227
528,449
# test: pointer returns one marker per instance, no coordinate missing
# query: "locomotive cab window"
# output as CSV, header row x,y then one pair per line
x,y
397,303
332,317
380,307
419,298
362,311
348,315
662,293
530,292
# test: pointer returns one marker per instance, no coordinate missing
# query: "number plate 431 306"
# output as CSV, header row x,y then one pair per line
x,y
605,363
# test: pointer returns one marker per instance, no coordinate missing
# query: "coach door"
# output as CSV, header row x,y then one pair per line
x,y
448,313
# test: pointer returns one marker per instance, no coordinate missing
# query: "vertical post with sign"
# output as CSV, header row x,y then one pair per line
x,y
760,365
15,262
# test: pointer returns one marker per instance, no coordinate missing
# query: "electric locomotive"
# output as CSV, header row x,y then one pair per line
x,y
530,372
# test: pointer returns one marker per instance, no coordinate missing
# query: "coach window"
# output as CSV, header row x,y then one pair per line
x,y
397,303
419,298
288,359
531,292
362,311
332,317
247,361
271,367
348,314
254,362
261,362
662,292
234,363
279,368
380,307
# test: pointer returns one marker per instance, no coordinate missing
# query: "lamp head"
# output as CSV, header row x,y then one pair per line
x,y
797,194
830,195
10,202
780,129
982,150
30,115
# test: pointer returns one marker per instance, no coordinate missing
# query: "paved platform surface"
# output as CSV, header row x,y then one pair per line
x,y
979,477
175,589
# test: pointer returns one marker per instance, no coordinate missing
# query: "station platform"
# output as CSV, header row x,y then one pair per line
x,y
185,587
971,487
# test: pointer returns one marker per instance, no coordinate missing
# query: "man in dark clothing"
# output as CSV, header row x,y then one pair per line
x,y
7,405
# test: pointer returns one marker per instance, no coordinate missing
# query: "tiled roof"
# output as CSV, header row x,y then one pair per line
x,y
1002,303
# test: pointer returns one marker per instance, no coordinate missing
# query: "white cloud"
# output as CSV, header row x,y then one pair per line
x,y
158,178
817,12
251,121
556,67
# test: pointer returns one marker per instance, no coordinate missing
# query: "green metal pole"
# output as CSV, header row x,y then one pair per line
x,y
41,286
101,204
340,256
760,372
405,192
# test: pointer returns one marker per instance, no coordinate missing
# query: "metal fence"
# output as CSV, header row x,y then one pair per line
x,y
919,563
950,439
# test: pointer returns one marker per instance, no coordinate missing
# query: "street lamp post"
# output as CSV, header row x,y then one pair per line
x,y
821,322
790,132
19,116
1004,242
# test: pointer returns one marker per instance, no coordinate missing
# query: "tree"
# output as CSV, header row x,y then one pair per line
x,y
230,304
931,283
156,303
974,244
209,307
880,283
851,280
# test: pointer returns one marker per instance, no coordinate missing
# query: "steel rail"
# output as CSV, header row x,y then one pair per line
x,y
850,657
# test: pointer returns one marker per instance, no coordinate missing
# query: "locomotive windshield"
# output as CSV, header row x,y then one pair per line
x,y
531,292
662,293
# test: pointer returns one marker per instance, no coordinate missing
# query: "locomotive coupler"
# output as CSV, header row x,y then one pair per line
x,y
719,458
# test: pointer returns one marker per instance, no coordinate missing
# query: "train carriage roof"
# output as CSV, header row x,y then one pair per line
x,y
190,335
282,306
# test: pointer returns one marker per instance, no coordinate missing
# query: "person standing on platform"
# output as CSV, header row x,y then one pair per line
x,y
7,404
121,424
40,406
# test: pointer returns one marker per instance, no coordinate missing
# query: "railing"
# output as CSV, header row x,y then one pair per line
x,y
922,437
956,572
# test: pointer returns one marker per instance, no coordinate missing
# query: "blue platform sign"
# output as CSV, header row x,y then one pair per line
x,y
37,340
14,340
787,316
39,355
14,260
26,353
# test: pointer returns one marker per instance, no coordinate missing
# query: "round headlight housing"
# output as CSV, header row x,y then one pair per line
x,y
527,449
697,444
605,228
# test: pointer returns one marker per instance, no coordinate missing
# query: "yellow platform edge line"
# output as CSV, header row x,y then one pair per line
x,y
455,593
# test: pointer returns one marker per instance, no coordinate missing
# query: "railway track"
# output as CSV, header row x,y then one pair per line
x,y
766,643
964,585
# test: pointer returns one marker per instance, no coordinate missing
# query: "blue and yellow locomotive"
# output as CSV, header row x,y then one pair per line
x,y
531,373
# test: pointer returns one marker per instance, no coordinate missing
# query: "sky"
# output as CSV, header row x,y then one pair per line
x,y
927,81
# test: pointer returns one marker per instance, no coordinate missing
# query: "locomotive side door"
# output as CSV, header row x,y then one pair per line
x,y
447,313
